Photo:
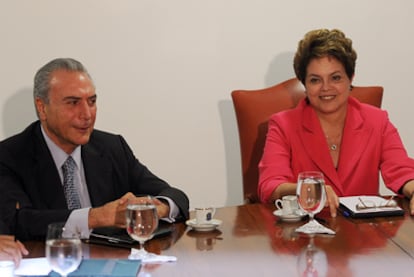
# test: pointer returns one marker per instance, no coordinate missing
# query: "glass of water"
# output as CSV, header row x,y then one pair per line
x,y
311,197
141,221
63,249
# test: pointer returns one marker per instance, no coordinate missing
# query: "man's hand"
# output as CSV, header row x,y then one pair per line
x,y
11,250
111,214
163,209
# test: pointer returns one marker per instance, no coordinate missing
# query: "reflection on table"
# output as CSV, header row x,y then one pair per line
x,y
251,241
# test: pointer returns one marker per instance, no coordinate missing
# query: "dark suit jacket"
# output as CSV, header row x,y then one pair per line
x,y
29,176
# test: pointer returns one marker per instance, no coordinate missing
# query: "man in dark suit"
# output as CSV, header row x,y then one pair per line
x,y
107,174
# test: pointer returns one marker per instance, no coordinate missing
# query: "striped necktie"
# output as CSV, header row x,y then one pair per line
x,y
71,194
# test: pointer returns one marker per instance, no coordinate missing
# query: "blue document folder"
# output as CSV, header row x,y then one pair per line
x,y
105,268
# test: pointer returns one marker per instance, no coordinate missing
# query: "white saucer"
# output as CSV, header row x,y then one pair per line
x,y
204,227
290,217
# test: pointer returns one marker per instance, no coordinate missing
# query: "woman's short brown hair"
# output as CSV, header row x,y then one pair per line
x,y
321,43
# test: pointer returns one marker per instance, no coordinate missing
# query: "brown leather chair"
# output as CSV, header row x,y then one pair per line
x,y
253,109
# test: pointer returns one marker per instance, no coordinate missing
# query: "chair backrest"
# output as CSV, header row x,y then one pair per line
x,y
253,109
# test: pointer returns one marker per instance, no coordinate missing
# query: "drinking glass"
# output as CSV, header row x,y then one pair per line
x,y
311,197
63,249
141,221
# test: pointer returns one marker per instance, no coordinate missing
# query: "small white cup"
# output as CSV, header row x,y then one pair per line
x,y
6,268
204,215
288,204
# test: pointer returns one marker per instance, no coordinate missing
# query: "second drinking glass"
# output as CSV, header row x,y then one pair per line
x,y
142,221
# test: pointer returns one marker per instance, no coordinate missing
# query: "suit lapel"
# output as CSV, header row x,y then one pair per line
x,y
98,172
97,167
351,152
47,176
315,144
314,141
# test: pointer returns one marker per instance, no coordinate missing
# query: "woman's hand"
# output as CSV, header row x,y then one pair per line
x,y
332,200
412,205
408,191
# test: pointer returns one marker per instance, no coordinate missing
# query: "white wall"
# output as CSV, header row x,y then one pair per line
x,y
165,69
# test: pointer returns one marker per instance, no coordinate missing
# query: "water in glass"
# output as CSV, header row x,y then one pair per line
x,y
63,250
311,192
311,199
141,221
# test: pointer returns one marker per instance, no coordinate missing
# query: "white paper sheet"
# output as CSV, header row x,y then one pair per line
x,y
32,267
351,203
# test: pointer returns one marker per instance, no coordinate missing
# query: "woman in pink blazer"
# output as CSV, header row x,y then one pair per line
x,y
332,132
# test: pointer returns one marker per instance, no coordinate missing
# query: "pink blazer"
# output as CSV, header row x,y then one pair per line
x,y
370,144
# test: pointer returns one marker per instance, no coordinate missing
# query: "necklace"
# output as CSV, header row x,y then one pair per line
x,y
334,142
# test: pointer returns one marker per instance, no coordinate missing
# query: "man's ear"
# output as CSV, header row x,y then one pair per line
x,y
40,108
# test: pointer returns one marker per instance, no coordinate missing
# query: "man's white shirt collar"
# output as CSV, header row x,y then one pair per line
x,y
59,156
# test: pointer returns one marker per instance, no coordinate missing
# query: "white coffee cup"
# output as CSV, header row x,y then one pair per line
x,y
288,204
6,268
204,215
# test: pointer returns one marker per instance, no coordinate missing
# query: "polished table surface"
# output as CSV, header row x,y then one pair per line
x,y
251,241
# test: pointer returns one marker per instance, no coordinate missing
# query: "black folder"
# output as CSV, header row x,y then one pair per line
x,y
347,206
118,237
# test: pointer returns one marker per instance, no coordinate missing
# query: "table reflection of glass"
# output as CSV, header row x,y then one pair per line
x,y
312,261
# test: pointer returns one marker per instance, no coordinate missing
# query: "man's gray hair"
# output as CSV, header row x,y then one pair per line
x,y
42,77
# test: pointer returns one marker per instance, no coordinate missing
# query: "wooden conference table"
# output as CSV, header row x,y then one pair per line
x,y
251,241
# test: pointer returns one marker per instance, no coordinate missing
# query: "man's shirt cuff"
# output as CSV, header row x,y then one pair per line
x,y
78,222
174,210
